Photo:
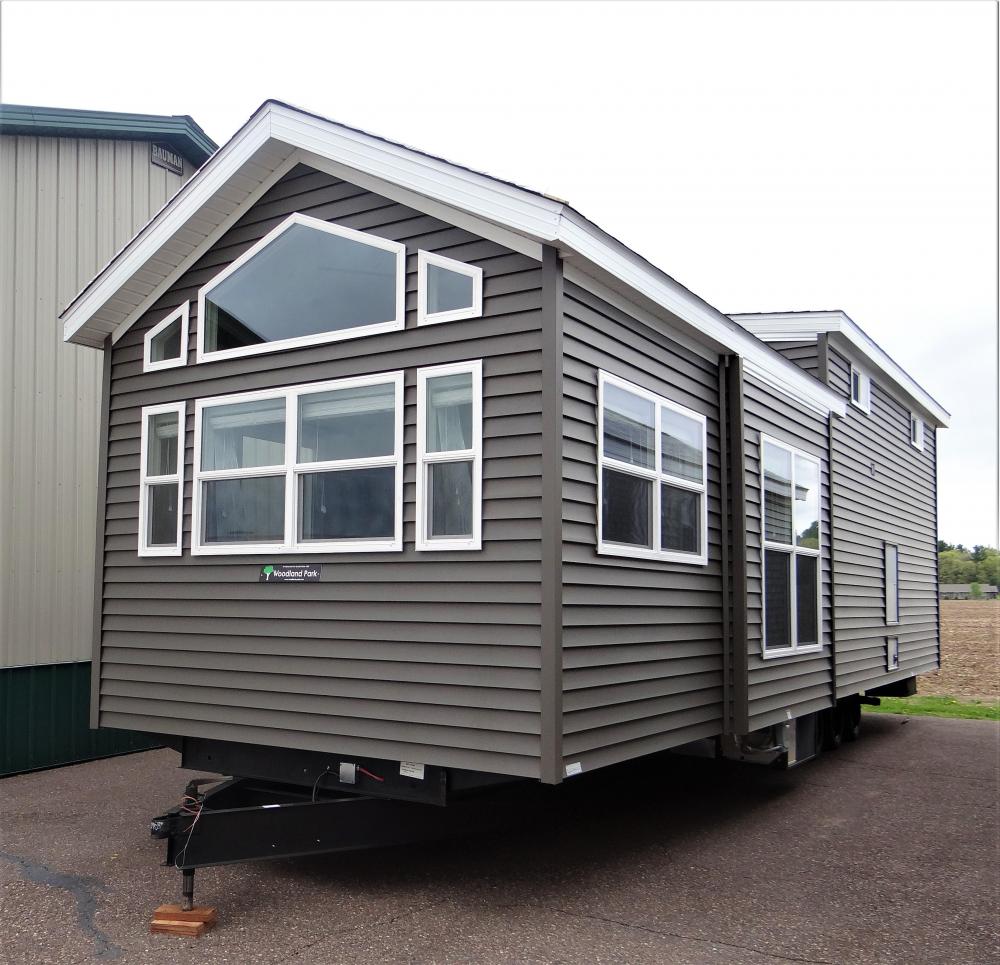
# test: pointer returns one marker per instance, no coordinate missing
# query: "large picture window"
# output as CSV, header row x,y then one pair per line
x,y
306,282
651,476
449,457
161,480
790,488
311,468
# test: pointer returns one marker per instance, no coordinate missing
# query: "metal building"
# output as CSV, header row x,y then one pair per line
x,y
74,187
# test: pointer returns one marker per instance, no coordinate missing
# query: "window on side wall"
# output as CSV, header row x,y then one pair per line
x,y
309,468
916,432
792,544
304,283
449,457
166,343
447,290
161,480
861,389
891,583
652,475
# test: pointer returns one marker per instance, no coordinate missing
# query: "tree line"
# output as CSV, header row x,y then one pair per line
x,y
956,564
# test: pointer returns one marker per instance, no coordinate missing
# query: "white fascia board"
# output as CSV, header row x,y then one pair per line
x,y
536,216
807,326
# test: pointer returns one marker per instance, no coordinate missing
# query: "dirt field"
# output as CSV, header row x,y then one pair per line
x,y
970,638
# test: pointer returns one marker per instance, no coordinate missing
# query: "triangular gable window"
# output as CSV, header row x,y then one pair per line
x,y
448,290
165,344
304,283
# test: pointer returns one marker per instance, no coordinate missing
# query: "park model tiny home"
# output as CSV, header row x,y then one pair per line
x,y
404,463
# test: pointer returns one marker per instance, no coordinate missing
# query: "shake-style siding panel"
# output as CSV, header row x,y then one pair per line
x,y
430,657
642,640
884,491
801,683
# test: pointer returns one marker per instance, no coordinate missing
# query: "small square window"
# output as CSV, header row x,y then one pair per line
x,y
447,290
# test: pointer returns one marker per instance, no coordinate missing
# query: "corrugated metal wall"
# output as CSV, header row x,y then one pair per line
x,y
642,640
66,206
431,657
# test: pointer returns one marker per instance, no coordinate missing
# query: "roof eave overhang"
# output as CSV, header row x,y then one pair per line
x,y
276,129
845,333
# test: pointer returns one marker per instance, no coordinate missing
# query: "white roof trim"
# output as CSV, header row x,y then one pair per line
x,y
517,209
807,326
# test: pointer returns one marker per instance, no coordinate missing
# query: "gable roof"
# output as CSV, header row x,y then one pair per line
x,y
845,333
178,130
277,136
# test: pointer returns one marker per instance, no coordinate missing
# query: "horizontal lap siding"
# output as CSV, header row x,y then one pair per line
x,y
884,490
803,354
642,640
431,657
800,683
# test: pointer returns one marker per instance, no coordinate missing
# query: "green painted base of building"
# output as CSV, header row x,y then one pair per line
x,y
45,720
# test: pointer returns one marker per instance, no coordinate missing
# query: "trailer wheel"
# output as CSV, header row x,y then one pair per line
x,y
851,717
831,724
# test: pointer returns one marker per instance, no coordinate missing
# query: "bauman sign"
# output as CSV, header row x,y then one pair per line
x,y
163,157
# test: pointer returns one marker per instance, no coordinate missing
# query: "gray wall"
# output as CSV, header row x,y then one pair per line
x,y
801,683
66,206
431,657
642,640
884,490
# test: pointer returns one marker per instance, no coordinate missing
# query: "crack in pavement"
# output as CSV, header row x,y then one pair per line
x,y
689,938
81,888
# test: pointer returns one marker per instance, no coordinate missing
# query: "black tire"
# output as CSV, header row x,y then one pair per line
x,y
851,717
832,726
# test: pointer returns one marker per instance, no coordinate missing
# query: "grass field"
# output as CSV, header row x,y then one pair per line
x,y
937,707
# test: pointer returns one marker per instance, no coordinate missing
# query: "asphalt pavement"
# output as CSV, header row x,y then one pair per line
x,y
884,851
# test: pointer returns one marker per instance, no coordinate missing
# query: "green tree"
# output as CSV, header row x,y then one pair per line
x,y
956,566
975,592
988,568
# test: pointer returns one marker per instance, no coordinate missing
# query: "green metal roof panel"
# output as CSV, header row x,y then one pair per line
x,y
178,130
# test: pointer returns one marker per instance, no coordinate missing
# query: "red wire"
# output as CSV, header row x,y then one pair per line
x,y
374,777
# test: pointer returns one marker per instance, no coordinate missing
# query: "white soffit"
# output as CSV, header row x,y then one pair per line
x,y
246,166
807,326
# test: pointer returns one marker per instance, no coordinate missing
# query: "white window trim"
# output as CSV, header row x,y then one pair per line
x,y
655,474
425,258
184,314
792,550
890,664
291,469
424,542
886,546
145,480
320,338
917,437
864,388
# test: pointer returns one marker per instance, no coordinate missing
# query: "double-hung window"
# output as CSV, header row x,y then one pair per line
x,y
651,476
161,479
310,468
449,457
790,487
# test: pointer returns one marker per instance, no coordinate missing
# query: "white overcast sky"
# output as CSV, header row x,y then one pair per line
x,y
768,156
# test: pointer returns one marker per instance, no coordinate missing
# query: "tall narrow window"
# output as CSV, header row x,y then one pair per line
x,y
166,343
161,480
861,389
306,282
916,432
449,457
309,468
447,290
651,476
790,488
891,583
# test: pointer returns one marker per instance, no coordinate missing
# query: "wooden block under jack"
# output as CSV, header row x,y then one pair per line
x,y
173,920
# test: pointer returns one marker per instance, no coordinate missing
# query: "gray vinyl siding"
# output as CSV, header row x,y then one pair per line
x,y
430,657
642,640
66,206
798,683
884,490
804,354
